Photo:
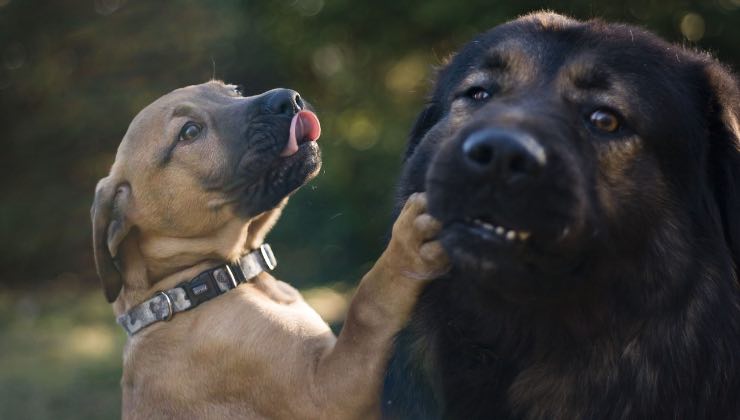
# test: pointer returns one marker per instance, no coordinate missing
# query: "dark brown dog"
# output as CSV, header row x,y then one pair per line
x,y
199,179
587,176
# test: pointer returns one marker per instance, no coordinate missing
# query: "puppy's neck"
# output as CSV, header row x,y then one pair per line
x,y
157,262
133,296
168,254
154,263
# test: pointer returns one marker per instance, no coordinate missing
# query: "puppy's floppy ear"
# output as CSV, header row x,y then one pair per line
x,y
429,116
724,155
110,227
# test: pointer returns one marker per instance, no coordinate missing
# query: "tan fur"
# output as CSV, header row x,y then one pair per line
x,y
258,351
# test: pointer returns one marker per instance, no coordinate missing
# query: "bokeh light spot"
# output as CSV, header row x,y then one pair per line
x,y
308,7
359,130
329,303
406,75
90,341
327,61
692,26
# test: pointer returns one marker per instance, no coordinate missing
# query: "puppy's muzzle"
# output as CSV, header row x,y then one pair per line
x,y
282,101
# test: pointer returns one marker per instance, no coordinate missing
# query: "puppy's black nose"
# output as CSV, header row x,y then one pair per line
x,y
283,101
507,155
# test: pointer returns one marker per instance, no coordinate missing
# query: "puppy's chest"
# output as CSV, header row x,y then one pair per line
x,y
239,347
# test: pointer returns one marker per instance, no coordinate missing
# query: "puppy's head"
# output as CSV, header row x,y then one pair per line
x,y
202,173
553,148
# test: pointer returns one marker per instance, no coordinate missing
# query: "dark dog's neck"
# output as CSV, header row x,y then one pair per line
x,y
621,341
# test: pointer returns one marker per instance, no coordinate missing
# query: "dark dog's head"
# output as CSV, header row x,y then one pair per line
x,y
201,173
551,147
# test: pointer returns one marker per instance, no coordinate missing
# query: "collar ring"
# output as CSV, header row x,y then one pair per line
x,y
170,305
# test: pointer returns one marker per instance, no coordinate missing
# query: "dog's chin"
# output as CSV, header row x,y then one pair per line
x,y
292,172
518,264
281,179
483,256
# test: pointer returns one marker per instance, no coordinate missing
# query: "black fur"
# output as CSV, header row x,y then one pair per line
x,y
623,301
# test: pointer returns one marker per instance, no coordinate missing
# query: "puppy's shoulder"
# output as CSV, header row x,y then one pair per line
x,y
277,290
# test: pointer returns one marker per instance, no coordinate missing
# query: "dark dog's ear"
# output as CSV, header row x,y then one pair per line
x,y
724,156
110,227
429,116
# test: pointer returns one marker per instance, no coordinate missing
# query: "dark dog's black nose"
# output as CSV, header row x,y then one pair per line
x,y
509,156
283,101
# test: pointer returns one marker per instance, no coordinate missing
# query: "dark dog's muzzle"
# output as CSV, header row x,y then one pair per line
x,y
509,158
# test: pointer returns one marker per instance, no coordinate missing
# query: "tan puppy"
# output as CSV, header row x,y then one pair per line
x,y
199,179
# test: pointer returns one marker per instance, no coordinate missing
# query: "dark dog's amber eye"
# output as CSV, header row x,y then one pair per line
x,y
605,121
190,131
478,94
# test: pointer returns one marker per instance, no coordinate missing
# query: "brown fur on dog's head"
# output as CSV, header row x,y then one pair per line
x,y
197,177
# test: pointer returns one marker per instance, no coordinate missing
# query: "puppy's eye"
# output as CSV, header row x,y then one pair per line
x,y
478,94
604,120
190,131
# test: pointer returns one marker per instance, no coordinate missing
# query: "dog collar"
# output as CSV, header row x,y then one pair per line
x,y
204,287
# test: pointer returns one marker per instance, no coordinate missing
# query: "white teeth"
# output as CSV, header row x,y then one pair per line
x,y
484,225
509,234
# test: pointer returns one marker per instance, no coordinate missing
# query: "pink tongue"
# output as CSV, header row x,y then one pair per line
x,y
304,126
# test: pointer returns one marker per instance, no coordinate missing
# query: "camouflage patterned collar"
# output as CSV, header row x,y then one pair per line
x,y
204,287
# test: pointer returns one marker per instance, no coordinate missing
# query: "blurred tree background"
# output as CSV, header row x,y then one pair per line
x,y
74,73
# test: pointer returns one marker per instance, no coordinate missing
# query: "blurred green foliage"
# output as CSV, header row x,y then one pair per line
x,y
60,356
74,73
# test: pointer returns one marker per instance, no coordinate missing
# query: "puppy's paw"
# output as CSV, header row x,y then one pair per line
x,y
414,250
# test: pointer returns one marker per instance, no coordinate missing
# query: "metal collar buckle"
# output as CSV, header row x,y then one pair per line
x,y
268,256
234,283
170,305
